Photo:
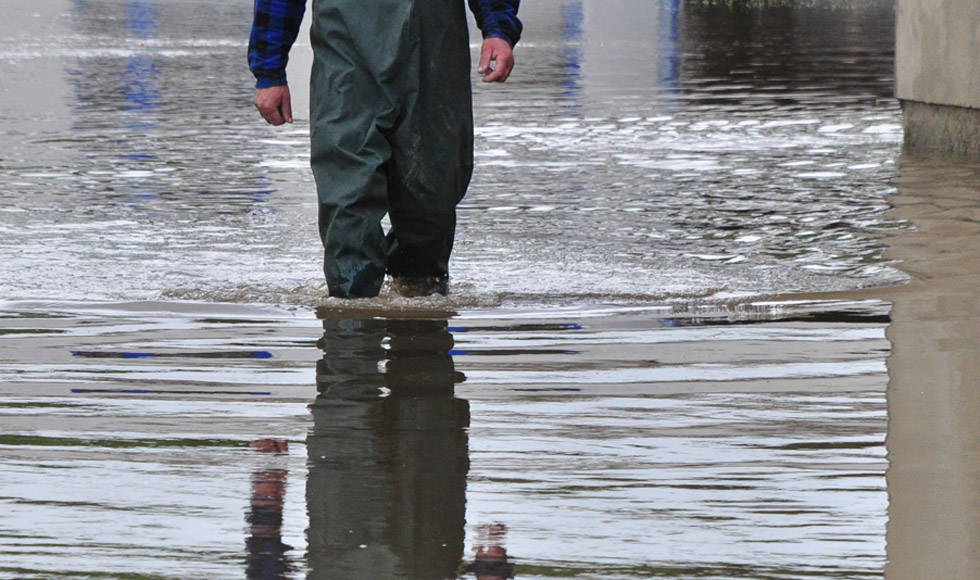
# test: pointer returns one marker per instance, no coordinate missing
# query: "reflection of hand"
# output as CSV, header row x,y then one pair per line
x,y
270,445
491,561
498,52
493,535
274,104
267,558
491,564
491,554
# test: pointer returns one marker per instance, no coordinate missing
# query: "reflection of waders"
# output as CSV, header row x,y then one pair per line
x,y
392,131
386,490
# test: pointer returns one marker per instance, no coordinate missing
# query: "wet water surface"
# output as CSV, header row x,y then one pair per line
x,y
610,391
587,444
642,150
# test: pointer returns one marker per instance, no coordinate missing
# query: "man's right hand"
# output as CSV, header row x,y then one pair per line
x,y
274,104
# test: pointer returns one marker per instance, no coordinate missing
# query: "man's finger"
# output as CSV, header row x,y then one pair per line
x,y
485,55
269,111
286,110
272,115
505,64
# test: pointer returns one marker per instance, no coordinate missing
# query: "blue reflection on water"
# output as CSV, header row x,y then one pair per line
x,y
139,80
140,76
573,18
668,42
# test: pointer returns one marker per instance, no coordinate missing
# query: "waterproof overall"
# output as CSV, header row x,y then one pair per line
x,y
392,132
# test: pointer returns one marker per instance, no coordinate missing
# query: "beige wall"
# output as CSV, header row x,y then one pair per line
x,y
938,52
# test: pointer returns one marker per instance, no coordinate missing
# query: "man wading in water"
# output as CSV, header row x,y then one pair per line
x,y
391,126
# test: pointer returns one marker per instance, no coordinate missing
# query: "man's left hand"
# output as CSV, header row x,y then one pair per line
x,y
496,60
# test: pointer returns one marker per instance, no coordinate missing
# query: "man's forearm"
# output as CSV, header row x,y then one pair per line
x,y
275,27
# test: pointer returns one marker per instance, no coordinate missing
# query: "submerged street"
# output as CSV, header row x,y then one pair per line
x,y
707,319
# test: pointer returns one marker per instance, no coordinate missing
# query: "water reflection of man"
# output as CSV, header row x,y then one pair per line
x,y
491,562
388,453
267,559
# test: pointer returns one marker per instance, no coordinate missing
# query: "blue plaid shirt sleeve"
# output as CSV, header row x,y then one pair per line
x,y
274,30
276,25
498,18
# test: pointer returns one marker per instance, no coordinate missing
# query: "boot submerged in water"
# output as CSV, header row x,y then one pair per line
x,y
418,287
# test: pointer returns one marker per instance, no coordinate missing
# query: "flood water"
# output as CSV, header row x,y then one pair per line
x,y
643,151
199,442
697,327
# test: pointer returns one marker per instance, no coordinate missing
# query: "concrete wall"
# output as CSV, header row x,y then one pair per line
x,y
938,73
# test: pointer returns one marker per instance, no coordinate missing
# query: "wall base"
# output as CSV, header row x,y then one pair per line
x,y
943,128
